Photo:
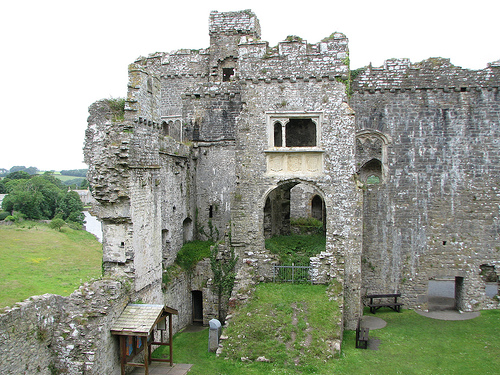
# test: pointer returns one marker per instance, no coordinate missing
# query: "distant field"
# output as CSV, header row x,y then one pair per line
x,y
65,178
37,260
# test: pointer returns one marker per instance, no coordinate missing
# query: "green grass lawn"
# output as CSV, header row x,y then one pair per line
x,y
409,344
37,260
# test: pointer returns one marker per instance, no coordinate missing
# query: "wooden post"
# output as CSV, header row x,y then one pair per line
x,y
170,338
146,354
123,354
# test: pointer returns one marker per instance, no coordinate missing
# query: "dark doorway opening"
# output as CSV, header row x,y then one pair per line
x,y
197,298
445,294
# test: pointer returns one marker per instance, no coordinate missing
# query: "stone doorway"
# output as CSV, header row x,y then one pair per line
x,y
291,200
197,302
445,294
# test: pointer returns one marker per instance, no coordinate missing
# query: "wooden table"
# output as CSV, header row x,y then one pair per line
x,y
384,300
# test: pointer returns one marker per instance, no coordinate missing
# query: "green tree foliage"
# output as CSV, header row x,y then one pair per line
x,y
18,175
75,172
3,188
84,184
222,266
42,198
49,176
57,223
70,207
30,170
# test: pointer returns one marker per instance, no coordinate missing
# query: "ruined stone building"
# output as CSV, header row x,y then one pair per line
x,y
400,162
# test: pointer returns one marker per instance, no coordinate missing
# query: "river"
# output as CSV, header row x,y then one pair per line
x,y
92,225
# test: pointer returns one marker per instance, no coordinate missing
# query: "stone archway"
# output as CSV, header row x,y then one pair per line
x,y
291,200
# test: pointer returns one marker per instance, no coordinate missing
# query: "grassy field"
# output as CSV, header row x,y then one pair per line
x,y
409,344
37,260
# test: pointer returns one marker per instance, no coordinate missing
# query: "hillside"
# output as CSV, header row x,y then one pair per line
x,y
37,260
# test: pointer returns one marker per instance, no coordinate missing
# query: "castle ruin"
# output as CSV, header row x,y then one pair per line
x,y
398,162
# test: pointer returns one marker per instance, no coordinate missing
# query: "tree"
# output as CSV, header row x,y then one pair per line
x,y
75,172
36,198
70,207
222,265
18,175
57,223
49,176
30,170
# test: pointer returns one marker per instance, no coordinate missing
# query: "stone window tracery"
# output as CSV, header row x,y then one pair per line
x,y
294,129
294,143
371,156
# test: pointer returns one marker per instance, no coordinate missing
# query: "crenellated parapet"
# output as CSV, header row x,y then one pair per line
x,y
431,74
294,58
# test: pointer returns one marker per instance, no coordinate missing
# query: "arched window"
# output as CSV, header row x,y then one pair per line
x,y
371,172
164,128
187,227
317,207
278,134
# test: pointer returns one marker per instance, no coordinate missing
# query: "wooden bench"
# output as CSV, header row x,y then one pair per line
x,y
361,336
384,300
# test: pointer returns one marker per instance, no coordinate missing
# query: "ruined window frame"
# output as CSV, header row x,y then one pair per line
x,y
273,118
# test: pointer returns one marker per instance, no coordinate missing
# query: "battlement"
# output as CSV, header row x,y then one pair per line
x,y
230,23
435,73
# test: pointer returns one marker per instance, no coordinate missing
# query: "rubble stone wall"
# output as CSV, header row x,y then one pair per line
x,y
49,333
436,214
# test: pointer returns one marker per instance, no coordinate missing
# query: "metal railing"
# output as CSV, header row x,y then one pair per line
x,y
292,274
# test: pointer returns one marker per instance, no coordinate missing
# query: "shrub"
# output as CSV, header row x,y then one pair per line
x,y
74,225
307,225
3,215
57,223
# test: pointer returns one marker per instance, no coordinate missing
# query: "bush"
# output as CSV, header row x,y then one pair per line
x,y
74,225
3,215
57,223
307,225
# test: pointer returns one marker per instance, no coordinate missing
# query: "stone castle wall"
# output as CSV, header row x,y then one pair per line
x,y
435,214
49,333
406,166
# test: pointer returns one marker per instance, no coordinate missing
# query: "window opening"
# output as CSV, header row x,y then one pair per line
x,y
278,135
150,85
211,211
371,172
187,227
300,133
490,279
373,180
164,127
227,73
317,208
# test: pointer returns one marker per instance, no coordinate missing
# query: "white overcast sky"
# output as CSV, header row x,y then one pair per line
x,y
58,57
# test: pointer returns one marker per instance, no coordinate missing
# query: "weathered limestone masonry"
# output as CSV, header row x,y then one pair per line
x,y
52,334
221,143
296,81
196,154
434,130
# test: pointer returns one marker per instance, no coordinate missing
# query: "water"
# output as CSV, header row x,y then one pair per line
x,y
92,225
